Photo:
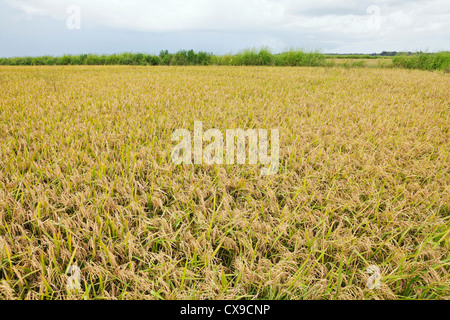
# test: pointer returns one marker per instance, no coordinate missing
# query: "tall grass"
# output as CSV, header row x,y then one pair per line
x,y
138,59
299,58
248,57
424,61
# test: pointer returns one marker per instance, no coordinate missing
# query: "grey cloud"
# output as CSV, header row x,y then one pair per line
x,y
39,26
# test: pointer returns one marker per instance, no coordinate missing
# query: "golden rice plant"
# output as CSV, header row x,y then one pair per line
x,y
86,180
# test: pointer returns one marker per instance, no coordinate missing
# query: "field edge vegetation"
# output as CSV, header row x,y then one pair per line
x,y
248,57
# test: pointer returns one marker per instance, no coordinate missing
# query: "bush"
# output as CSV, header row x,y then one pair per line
x,y
64,60
153,60
423,61
265,58
48,61
113,59
359,64
203,58
126,59
92,59
299,58
179,58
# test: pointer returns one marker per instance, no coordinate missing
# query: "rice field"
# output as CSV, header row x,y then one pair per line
x,y
87,180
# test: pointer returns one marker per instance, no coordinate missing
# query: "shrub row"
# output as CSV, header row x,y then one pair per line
x,y
424,61
261,57
164,58
250,57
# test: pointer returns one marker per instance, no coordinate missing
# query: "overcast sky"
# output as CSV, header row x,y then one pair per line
x,y
56,27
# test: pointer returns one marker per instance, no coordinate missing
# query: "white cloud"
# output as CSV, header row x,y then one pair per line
x,y
175,15
164,15
325,21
